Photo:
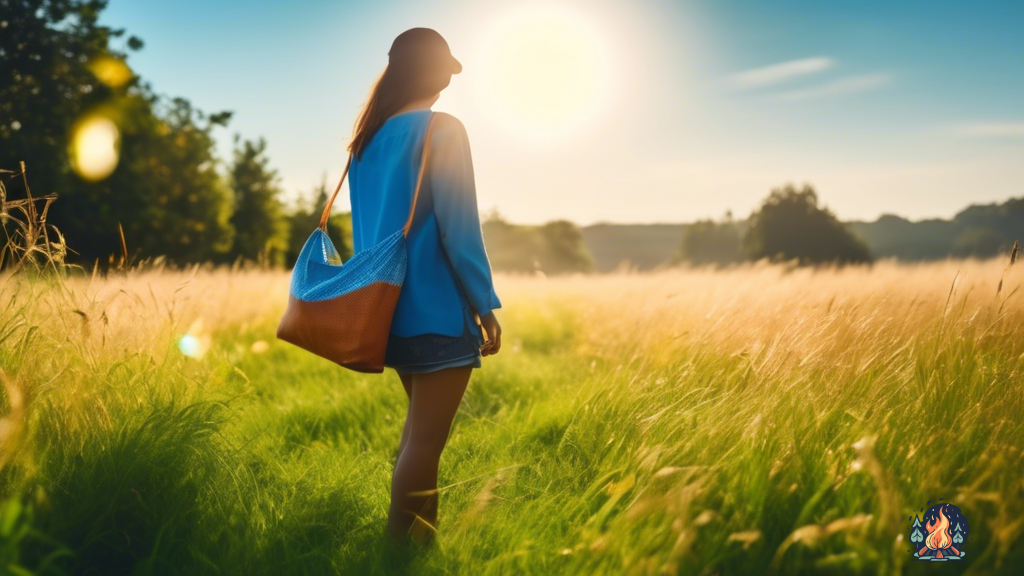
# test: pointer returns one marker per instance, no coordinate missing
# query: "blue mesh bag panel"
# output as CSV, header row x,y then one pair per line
x,y
320,275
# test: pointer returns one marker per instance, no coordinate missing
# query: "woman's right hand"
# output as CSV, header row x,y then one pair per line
x,y
492,334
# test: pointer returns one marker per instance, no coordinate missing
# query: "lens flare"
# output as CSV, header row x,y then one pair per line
x,y
111,71
190,346
95,147
196,341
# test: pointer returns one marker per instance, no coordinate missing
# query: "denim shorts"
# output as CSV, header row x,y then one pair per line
x,y
431,352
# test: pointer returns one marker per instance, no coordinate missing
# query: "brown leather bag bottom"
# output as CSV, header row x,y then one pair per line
x,y
350,330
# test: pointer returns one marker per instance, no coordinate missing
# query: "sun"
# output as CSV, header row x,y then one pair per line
x,y
543,70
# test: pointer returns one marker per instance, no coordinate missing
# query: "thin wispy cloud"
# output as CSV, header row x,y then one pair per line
x,y
837,88
781,72
989,129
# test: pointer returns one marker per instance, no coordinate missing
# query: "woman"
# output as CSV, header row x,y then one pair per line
x,y
448,298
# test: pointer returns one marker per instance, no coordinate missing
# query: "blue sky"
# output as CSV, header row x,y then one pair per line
x,y
913,108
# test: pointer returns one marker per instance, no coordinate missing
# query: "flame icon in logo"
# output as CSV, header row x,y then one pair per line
x,y
943,534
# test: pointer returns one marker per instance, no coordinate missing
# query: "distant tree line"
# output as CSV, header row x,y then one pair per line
x,y
979,230
553,248
788,226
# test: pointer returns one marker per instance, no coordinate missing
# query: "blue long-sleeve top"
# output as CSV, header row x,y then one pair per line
x,y
448,277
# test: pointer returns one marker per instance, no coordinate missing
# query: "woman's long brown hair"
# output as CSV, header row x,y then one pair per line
x,y
398,85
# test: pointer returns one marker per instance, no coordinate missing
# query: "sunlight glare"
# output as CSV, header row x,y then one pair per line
x,y
544,70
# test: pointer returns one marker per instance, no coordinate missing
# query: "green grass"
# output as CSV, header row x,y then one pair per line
x,y
564,458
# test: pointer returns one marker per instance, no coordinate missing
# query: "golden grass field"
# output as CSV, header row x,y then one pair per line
x,y
755,419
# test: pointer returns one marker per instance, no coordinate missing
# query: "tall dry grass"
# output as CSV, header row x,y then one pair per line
x,y
828,316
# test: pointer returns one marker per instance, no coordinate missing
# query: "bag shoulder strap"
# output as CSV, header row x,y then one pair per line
x,y
419,179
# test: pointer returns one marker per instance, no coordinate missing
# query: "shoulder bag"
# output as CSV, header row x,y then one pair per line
x,y
343,311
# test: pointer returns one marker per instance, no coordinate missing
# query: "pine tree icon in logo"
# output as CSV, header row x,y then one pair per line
x,y
916,536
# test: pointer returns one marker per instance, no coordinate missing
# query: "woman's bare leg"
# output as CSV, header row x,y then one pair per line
x,y
407,385
435,399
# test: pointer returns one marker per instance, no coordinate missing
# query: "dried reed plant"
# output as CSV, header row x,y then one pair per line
x,y
29,244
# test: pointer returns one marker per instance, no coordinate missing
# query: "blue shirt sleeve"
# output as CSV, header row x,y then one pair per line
x,y
455,207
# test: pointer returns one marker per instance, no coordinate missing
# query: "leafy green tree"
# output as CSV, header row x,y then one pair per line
x,y
304,219
791,225
564,250
556,247
511,247
165,193
710,242
46,83
260,227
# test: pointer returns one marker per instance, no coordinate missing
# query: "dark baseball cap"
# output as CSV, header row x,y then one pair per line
x,y
424,46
